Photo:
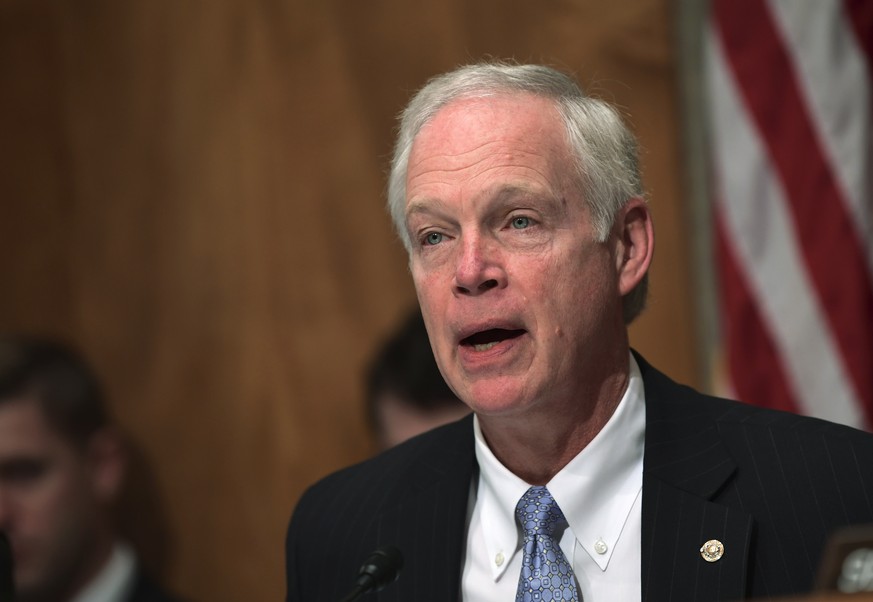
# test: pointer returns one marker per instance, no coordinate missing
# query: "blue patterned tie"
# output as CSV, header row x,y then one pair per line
x,y
546,576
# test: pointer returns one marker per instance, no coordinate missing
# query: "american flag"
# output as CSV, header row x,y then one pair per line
x,y
789,90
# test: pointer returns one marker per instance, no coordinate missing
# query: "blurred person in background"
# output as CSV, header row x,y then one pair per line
x,y
62,466
405,393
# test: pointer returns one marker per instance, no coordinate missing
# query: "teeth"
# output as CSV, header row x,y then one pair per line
x,y
484,346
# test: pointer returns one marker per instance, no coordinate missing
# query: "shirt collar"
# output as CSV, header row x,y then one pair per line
x,y
595,490
115,580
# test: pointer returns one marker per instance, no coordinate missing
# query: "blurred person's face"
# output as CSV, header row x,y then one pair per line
x,y
53,499
519,298
399,419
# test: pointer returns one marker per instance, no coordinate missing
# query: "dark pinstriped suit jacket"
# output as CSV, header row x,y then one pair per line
x,y
770,486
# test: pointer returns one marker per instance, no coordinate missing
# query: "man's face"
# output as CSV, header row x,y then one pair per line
x,y
48,504
521,303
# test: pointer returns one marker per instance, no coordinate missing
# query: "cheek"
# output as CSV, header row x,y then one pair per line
x,y
432,311
65,493
428,287
53,498
41,514
580,293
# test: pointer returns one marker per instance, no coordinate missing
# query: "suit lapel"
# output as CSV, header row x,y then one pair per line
x,y
428,520
676,525
685,466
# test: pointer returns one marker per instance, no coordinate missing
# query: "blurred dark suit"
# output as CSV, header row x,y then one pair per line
x,y
147,590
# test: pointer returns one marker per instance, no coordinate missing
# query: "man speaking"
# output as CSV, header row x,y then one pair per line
x,y
584,473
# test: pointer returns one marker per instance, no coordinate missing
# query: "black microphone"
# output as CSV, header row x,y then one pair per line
x,y
381,568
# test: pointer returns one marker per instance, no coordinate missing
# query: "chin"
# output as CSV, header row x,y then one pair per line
x,y
490,400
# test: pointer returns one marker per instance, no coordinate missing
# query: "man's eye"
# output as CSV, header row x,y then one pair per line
x,y
433,238
520,222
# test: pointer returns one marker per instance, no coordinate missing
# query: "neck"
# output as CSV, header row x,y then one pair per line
x,y
537,445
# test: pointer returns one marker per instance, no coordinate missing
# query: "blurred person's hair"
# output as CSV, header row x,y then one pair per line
x,y
404,367
58,378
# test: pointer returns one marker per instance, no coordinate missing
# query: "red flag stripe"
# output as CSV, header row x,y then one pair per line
x,y
755,219
830,247
748,341
832,71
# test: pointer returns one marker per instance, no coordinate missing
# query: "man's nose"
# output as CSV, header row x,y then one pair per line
x,y
479,267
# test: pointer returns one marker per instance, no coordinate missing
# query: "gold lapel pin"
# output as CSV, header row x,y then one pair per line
x,y
712,550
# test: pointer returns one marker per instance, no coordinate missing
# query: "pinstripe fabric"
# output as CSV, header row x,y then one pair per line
x,y
413,496
770,486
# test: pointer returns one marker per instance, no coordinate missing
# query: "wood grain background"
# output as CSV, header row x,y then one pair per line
x,y
193,192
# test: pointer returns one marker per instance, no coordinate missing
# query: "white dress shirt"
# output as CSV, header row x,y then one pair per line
x,y
599,492
115,581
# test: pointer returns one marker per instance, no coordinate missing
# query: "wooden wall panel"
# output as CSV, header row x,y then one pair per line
x,y
194,193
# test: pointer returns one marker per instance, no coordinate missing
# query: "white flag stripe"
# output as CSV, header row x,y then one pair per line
x,y
768,252
832,74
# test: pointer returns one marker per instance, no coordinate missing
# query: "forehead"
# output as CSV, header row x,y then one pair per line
x,y
507,126
24,429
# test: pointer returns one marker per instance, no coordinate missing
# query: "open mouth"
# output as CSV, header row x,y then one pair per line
x,y
485,340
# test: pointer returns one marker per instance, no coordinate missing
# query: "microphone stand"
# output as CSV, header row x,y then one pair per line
x,y
381,568
355,593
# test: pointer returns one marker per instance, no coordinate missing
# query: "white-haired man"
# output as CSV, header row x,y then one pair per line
x,y
584,473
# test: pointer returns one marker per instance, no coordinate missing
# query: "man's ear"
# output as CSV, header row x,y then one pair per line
x,y
635,243
108,461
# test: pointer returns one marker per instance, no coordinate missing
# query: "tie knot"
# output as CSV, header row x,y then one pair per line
x,y
538,513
